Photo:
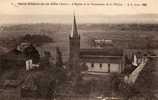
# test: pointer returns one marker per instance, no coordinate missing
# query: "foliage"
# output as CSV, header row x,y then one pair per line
x,y
59,61
49,80
82,87
142,87
36,39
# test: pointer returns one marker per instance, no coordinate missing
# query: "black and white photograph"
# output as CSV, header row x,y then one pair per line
x,y
78,50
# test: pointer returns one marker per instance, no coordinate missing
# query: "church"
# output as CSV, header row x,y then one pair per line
x,y
97,60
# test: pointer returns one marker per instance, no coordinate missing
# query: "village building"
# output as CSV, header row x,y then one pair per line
x,y
97,60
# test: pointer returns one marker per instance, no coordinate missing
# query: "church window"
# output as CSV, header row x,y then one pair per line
x,y
92,65
100,65
108,67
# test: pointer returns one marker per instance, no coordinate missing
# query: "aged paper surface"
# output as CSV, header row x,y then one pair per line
x,y
78,50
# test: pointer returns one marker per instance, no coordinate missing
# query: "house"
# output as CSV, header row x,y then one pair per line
x,y
100,43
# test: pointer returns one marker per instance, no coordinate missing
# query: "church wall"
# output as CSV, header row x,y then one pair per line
x,y
115,68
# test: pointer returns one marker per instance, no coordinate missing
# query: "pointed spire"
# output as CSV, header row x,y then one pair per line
x,y
74,32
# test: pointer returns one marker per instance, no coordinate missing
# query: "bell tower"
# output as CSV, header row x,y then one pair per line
x,y
74,47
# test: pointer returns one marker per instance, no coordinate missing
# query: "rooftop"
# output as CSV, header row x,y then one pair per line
x,y
108,52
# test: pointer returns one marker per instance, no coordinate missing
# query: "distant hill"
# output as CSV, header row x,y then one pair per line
x,y
53,30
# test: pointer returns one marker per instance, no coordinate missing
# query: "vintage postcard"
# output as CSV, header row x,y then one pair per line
x,y
78,50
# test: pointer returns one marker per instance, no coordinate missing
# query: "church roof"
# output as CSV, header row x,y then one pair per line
x,y
108,52
101,55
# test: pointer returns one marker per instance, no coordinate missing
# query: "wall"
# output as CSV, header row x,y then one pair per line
x,y
103,67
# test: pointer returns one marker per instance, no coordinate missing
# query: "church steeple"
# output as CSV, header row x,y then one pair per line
x,y
74,32
74,47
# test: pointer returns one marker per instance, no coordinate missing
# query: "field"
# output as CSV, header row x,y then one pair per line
x,y
60,33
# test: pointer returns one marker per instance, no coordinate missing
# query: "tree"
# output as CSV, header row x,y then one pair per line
x,y
36,39
27,37
119,87
50,81
59,61
142,87
82,87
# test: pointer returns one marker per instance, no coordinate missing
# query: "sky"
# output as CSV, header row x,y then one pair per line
x,y
12,12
